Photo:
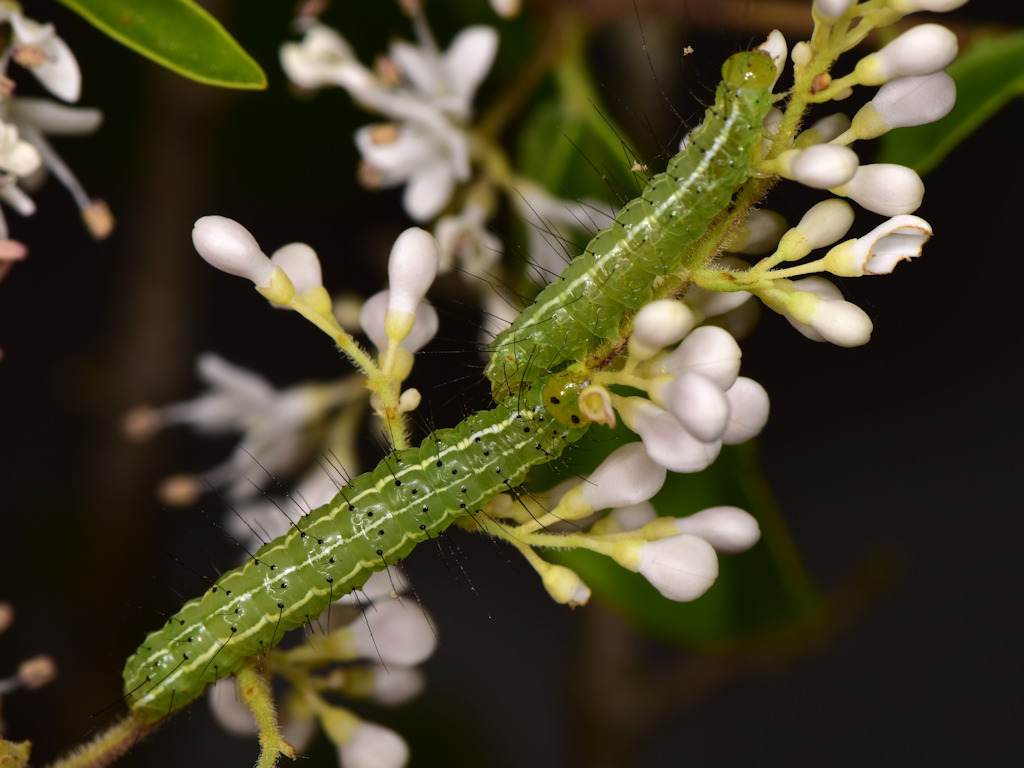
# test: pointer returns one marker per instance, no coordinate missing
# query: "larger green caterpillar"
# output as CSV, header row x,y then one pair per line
x,y
372,523
618,269
414,494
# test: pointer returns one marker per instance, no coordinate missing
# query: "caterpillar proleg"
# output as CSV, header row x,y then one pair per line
x,y
372,523
647,239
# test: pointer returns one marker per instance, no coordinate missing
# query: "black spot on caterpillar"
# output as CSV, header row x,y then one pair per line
x,y
617,270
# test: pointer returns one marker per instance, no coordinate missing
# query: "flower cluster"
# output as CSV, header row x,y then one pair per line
x,y
26,121
914,90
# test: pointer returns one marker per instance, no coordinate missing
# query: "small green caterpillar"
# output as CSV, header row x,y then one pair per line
x,y
414,494
372,523
618,269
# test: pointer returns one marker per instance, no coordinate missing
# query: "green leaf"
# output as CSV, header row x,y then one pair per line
x,y
177,34
988,75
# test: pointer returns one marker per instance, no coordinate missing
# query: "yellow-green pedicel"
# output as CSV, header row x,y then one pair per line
x,y
372,523
617,270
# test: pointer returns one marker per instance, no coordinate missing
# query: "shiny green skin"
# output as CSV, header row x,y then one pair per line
x,y
617,271
373,523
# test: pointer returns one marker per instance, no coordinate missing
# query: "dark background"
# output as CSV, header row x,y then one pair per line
x,y
894,463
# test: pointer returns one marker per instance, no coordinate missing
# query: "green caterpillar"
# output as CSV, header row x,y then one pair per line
x,y
414,494
617,271
372,523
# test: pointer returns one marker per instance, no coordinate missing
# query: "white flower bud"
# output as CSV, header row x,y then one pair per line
x,y
884,188
564,585
371,319
664,437
626,477
633,517
905,102
830,318
819,167
728,529
394,633
775,47
830,126
373,746
802,54
880,250
710,351
660,324
697,402
231,248
831,9
681,567
822,225
412,267
301,264
920,50
748,411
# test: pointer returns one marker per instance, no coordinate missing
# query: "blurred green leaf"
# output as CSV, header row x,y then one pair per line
x,y
988,75
177,34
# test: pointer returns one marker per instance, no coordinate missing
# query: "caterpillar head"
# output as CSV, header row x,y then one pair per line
x,y
561,398
749,69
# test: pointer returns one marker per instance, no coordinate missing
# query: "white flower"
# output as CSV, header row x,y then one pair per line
x,y
880,250
17,156
681,567
58,71
884,188
273,423
301,264
38,118
728,529
425,146
626,477
464,240
509,9
921,50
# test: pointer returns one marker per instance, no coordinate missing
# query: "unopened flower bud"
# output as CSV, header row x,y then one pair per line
x,y
657,325
627,476
412,268
681,567
231,248
880,250
370,746
775,47
728,529
920,50
935,6
710,351
822,225
819,312
301,264
372,319
564,585
884,188
820,167
697,402
748,411
395,634
664,437
905,102
759,233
